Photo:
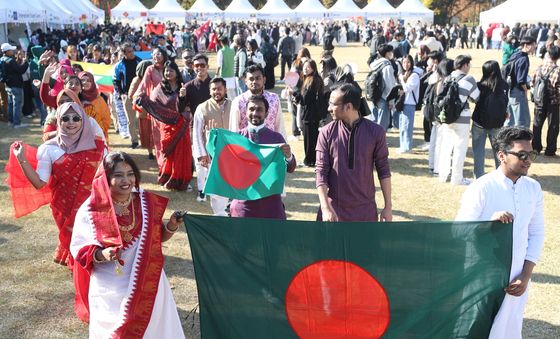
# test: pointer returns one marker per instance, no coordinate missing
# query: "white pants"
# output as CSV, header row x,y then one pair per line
x,y
218,203
455,140
201,174
435,147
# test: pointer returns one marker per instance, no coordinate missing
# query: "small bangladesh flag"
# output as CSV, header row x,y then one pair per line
x,y
289,279
242,169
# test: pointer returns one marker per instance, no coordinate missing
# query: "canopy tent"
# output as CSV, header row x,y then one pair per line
x,y
82,11
276,10
21,12
129,10
168,9
513,11
311,9
411,10
380,10
344,9
96,14
240,9
205,9
56,14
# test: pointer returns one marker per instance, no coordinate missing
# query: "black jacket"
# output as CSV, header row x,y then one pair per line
x,y
13,72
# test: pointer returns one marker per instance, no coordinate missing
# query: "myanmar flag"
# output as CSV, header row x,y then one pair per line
x,y
242,169
287,279
103,75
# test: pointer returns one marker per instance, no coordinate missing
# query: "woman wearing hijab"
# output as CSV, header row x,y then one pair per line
x,y
152,78
144,123
93,103
65,165
175,159
121,287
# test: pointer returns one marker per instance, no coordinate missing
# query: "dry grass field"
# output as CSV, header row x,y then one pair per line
x,y
36,295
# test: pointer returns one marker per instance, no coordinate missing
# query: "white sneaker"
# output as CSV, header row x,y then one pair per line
x,y
20,125
189,188
292,138
464,182
201,197
425,146
400,151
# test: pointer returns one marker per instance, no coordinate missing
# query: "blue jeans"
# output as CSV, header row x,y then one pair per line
x,y
39,104
381,114
406,127
15,104
518,109
479,136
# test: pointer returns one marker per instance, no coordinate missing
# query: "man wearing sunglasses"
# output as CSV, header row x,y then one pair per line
x,y
509,196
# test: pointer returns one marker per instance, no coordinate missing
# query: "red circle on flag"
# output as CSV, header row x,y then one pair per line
x,y
336,299
238,166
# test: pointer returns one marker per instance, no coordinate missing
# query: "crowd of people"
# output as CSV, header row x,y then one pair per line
x,y
168,111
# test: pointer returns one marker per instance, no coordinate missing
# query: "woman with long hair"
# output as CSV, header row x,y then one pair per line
x,y
313,108
254,55
297,66
65,164
410,82
121,288
144,123
493,101
152,78
175,157
94,105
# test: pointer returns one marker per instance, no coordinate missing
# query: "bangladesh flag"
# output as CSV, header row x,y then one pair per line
x,y
242,169
103,75
286,279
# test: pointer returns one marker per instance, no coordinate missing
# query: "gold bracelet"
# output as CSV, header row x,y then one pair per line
x,y
170,231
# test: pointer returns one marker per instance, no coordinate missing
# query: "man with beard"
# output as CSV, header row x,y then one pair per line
x,y
270,207
509,196
213,113
254,79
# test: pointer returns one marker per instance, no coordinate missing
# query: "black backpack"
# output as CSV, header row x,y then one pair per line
x,y
491,109
541,93
374,83
422,90
448,104
2,69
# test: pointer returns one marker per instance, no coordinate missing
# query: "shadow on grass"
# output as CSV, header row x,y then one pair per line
x,y
10,228
179,267
190,320
545,278
544,329
549,183
3,240
413,217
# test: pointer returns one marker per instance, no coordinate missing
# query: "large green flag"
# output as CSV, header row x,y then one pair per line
x,y
261,278
242,169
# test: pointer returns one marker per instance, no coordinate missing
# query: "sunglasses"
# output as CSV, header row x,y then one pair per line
x,y
75,118
200,65
524,155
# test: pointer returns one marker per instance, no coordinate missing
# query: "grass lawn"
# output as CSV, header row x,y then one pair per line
x,y
36,295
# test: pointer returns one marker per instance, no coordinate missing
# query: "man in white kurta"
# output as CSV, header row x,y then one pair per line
x,y
508,195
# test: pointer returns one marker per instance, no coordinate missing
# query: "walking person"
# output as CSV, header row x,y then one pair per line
x,y
517,71
410,82
13,68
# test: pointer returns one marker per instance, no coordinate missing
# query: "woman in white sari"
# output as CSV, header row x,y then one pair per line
x,y
121,288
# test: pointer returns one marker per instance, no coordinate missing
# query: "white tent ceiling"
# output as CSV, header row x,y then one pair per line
x,y
415,10
21,12
380,10
167,9
344,9
276,10
240,9
205,9
309,9
129,10
513,11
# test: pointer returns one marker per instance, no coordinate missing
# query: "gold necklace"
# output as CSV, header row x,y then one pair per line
x,y
125,229
121,207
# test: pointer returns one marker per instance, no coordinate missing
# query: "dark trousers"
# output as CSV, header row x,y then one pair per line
x,y
310,136
295,129
286,60
427,125
550,112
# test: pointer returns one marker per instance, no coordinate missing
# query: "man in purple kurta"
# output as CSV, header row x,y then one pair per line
x,y
256,131
348,150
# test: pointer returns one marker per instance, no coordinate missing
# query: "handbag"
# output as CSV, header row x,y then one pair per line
x,y
364,108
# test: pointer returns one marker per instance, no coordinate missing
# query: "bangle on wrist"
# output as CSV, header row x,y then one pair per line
x,y
22,161
170,231
95,260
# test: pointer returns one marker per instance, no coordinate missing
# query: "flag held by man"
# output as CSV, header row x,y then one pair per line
x,y
242,169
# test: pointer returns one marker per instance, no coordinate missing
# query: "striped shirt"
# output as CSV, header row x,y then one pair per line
x,y
467,89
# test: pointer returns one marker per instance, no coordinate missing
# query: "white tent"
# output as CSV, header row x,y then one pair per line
x,y
205,9
96,14
380,10
167,10
344,9
240,9
22,12
276,10
412,10
56,14
80,11
513,11
129,10
311,9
